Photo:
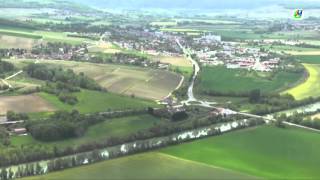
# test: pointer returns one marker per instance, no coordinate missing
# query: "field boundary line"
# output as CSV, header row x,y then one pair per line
x,y
302,127
203,164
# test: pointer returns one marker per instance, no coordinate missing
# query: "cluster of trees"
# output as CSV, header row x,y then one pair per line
x,y
4,87
276,103
300,118
5,67
92,37
169,114
63,91
62,125
4,137
68,98
5,175
53,48
12,116
33,169
255,96
11,52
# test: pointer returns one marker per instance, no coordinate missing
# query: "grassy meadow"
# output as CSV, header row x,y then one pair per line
x,y
145,166
94,101
221,79
312,59
267,152
45,36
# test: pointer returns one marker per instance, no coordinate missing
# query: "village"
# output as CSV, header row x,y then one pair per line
x,y
148,41
234,55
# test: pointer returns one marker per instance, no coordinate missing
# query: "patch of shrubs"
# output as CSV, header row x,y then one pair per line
x,y
68,98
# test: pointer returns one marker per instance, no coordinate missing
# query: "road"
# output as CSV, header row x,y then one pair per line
x,y
191,98
5,81
196,69
14,75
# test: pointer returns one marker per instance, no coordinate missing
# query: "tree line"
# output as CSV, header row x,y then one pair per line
x,y
303,119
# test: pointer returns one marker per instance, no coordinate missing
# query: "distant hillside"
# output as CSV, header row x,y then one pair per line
x,y
55,4
197,4
184,4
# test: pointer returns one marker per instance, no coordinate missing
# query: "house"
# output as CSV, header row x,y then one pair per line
x,y
163,66
208,38
20,131
225,112
176,109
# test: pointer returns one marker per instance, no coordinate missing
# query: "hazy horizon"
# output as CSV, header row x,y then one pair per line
x,y
198,4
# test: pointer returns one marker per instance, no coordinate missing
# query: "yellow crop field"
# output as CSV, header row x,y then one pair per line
x,y
309,88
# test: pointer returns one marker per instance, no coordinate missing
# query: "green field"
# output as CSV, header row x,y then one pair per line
x,y
207,21
289,48
182,30
267,152
117,127
20,34
309,88
145,166
94,101
41,35
164,23
221,79
309,59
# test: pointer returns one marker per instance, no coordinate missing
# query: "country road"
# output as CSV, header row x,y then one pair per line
x,y
196,67
5,81
14,75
